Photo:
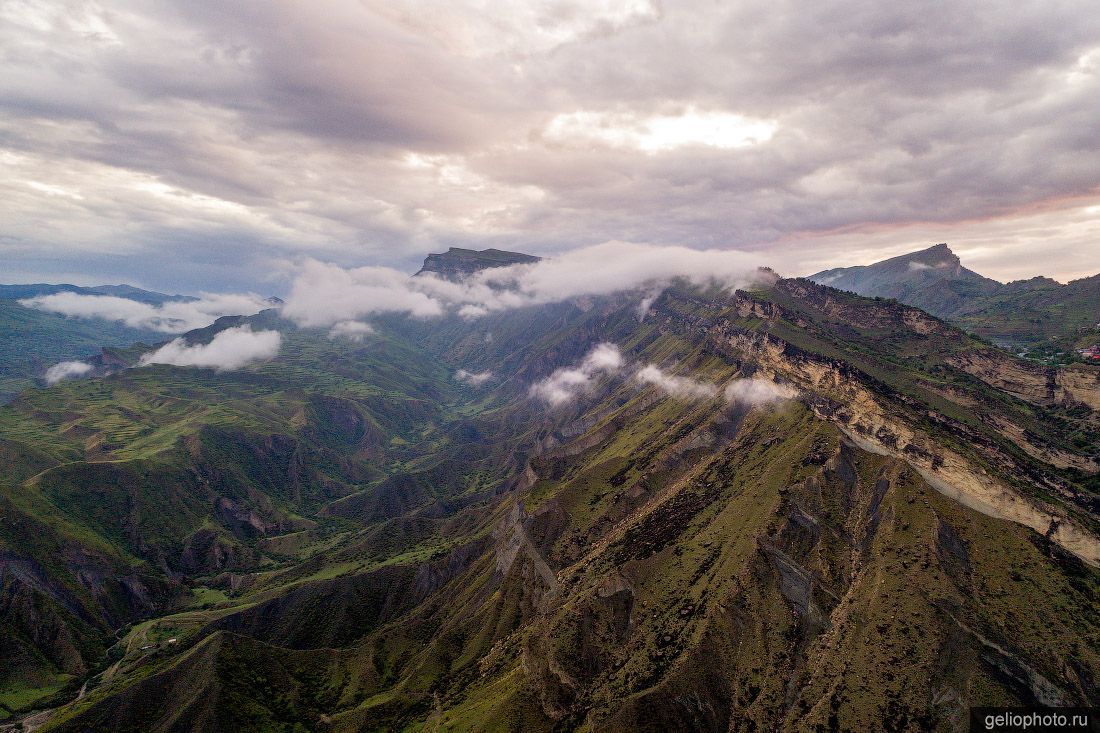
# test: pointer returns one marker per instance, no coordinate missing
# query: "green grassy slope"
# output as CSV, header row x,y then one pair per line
x,y
162,471
32,340
1039,315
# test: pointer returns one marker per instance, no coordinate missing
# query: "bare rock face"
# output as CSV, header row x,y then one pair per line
x,y
242,520
514,544
1040,385
1081,384
1030,382
510,538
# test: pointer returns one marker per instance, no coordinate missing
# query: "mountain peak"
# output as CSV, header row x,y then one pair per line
x,y
458,261
940,248
935,263
938,258
935,254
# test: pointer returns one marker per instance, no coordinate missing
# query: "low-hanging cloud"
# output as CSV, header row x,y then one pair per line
x,y
565,384
230,349
916,266
757,392
66,370
323,294
647,301
473,378
354,331
172,316
683,388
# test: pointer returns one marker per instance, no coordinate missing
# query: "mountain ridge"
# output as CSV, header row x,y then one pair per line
x,y
32,290
1037,314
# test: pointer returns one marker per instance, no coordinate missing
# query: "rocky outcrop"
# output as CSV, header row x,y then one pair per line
x,y
513,544
1081,383
861,313
457,262
1046,453
1017,675
1026,380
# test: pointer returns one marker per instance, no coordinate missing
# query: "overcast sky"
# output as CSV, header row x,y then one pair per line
x,y
211,145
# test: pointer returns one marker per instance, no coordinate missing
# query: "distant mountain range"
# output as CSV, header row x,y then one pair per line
x,y
18,292
32,340
1037,314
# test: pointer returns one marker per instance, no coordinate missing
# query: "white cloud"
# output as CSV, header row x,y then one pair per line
x,y
66,370
660,133
758,392
915,266
323,294
647,301
514,28
681,387
351,330
474,378
230,349
565,384
173,316
473,311
620,266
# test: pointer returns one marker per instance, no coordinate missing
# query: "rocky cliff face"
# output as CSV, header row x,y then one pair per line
x,y
885,422
457,262
1035,383
1080,383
